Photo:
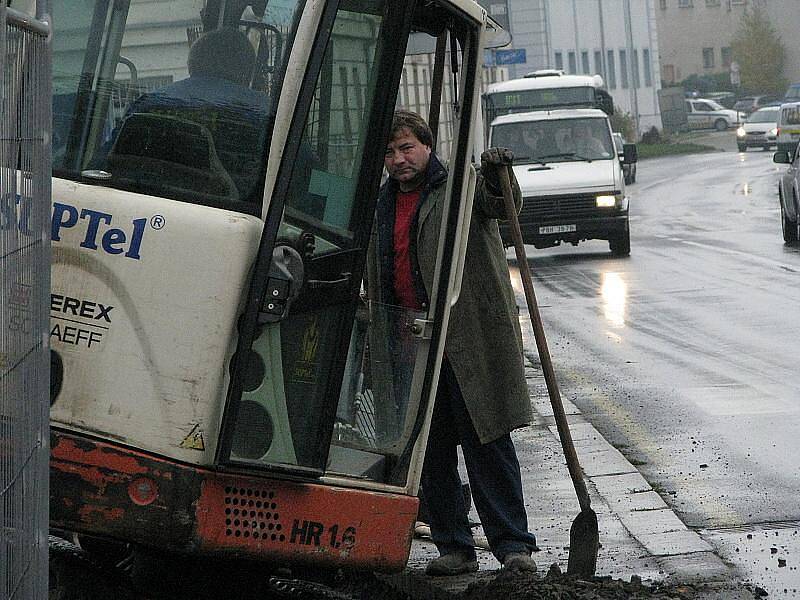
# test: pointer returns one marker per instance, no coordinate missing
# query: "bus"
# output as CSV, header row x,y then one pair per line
x,y
546,89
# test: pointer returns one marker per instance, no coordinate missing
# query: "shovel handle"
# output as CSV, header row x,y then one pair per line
x,y
571,456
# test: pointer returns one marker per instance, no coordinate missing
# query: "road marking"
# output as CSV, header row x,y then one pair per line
x,y
740,253
626,423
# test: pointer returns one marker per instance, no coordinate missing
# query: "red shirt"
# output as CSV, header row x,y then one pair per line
x,y
405,208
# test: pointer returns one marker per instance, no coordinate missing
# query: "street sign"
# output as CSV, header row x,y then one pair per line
x,y
510,57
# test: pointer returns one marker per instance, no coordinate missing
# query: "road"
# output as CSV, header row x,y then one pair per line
x,y
685,354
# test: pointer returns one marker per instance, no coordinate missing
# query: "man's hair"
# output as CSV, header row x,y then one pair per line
x,y
223,53
404,119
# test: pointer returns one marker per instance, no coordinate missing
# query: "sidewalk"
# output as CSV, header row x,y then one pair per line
x,y
639,534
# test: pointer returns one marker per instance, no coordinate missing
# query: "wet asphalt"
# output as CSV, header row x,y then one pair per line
x,y
684,355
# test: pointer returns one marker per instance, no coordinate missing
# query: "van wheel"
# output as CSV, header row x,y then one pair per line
x,y
720,124
620,245
788,227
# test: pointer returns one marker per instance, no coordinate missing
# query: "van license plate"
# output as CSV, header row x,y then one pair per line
x,y
557,229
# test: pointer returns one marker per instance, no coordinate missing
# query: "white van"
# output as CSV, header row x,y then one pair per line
x,y
788,126
571,177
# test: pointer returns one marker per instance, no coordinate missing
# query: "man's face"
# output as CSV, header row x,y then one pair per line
x,y
406,159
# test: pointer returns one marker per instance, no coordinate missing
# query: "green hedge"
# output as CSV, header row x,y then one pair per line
x,y
667,149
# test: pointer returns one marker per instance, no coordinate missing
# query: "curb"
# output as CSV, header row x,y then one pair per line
x,y
682,555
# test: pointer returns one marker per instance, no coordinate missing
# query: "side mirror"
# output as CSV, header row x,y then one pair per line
x,y
630,154
782,157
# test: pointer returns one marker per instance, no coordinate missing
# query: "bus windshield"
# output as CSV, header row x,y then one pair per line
x,y
555,140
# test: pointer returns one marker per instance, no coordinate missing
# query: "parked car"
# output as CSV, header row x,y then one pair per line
x,y
702,113
628,168
726,99
788,195
750,104
759,129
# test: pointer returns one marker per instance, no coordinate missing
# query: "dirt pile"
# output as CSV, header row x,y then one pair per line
x,y
557,586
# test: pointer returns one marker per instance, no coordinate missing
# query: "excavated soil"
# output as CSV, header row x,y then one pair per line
x,y
557,586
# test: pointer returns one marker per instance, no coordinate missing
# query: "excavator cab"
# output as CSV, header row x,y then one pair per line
x,y
223,384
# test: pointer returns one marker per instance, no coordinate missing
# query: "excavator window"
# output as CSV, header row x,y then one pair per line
x,y
131,118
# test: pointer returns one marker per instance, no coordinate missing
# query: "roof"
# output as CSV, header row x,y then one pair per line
x,y
550,115
541,83
470,7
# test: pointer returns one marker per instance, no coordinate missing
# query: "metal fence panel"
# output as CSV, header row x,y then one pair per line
x,y
24,303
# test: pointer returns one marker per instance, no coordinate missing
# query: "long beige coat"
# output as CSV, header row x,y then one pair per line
x,y
484,342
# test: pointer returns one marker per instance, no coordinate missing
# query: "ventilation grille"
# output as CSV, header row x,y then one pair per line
x,y
252,514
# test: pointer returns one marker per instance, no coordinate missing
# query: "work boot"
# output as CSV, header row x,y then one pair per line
x,y
519,561
455,563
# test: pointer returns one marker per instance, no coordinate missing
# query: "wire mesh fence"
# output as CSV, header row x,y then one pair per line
x,y
24,294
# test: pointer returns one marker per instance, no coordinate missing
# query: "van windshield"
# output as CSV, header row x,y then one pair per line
x,y
764,116
558,140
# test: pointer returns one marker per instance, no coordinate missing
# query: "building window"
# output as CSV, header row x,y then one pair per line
x,y
708,58
612,71
598,64
585,63
685,3
559,61
635,68
726,56
623,68
668,73
573,65
663,4
648,74
712,3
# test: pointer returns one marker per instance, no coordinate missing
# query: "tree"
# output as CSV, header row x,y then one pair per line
x,y
759,51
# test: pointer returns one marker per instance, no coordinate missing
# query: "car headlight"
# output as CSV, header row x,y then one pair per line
x,y
773,131
606,201
740,132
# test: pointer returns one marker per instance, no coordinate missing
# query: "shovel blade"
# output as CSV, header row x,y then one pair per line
x,y
584,543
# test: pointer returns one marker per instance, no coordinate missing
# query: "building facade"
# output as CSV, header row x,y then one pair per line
x,y
695,35
617,39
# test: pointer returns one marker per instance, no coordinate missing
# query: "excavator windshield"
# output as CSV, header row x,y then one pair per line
x,y
139,106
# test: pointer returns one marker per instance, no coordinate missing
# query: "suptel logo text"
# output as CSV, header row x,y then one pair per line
x,y
100,232
100,235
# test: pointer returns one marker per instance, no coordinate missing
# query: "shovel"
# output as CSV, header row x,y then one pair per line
x,y
584,538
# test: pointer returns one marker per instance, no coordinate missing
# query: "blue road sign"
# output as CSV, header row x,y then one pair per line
x,y
510,57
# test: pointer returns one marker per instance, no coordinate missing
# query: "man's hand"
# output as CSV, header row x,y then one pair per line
x,y
492,160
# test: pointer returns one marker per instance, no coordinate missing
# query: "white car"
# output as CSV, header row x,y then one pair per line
x,y
702,113
760,129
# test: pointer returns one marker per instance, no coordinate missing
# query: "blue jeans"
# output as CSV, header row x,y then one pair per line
x,y
494,476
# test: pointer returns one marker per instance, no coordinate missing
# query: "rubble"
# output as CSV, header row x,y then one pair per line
x,y
558,586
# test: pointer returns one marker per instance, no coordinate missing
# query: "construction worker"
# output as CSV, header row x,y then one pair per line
x,y
482,394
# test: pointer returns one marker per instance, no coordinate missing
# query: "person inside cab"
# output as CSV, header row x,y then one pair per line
x,y
213,116
585,144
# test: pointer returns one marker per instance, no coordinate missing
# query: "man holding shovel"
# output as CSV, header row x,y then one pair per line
x,y
482,394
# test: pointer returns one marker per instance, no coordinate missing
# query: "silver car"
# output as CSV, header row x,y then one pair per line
x,y
760,129
789,195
